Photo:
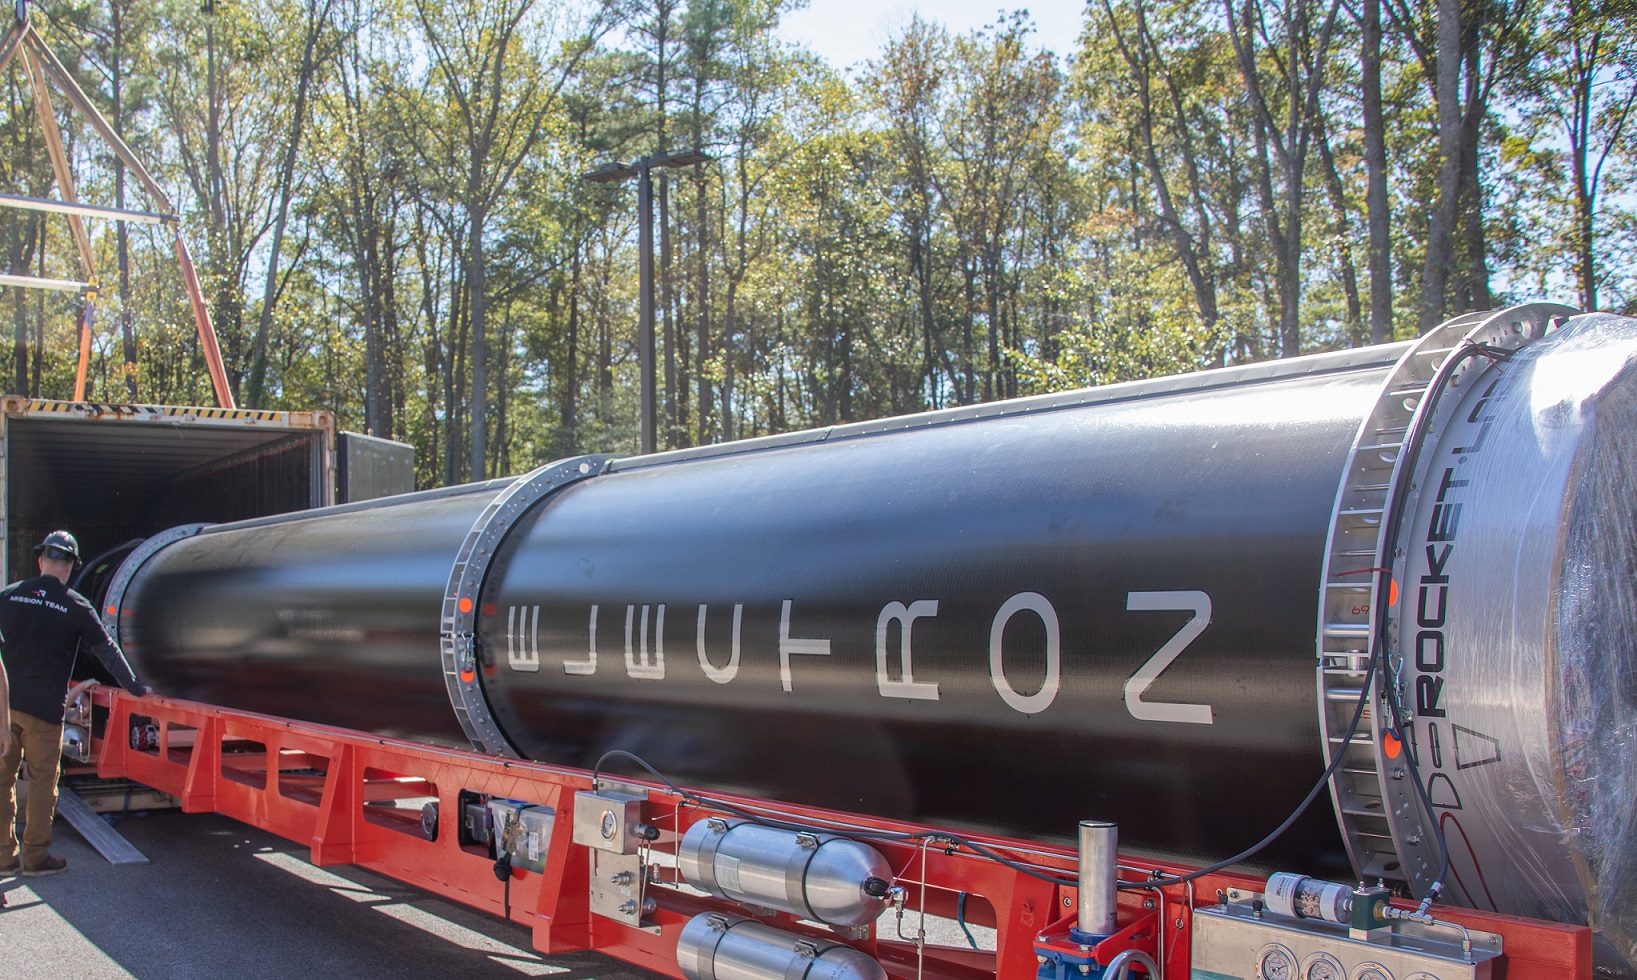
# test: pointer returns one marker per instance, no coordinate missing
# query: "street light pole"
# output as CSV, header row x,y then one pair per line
x,y
641,168
645,330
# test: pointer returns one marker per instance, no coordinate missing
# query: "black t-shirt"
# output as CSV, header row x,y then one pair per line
x,y
43,625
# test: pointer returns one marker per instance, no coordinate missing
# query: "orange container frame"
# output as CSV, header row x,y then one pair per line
x,y
355,798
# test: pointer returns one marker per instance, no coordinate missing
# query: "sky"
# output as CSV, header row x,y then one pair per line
x,y
845,32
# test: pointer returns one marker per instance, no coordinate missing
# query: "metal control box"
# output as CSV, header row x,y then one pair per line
x,y
522,830
1238,942
606,821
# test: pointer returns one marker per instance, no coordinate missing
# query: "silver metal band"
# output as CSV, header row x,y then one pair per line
x,y
716,832
795,874
113,604
462,597
1384,826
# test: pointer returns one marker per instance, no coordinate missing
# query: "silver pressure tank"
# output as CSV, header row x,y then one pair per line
x,y
714,946
821,877
1156,603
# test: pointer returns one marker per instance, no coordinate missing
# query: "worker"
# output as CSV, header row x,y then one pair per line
x,y
5,738
5,710
43,625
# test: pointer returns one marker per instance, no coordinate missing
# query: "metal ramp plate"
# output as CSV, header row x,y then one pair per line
x,y
96,830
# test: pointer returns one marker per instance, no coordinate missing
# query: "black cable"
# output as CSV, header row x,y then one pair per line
x,y
1279,831
596,770
1392,520
960,919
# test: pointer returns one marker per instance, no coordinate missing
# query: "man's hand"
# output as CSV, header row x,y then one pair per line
x,y
79,689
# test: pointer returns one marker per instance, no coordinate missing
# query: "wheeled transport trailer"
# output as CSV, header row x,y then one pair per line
x,y
939,642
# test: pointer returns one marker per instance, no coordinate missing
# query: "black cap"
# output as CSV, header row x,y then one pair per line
x,y
59,545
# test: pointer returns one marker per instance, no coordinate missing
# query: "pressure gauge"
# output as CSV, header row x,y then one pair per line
x,y
1372,971
1275,962
1323,966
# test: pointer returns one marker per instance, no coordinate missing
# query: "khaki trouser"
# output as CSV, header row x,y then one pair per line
x,y
39,744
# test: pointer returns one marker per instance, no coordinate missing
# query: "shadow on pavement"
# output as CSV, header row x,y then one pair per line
x,y
222,899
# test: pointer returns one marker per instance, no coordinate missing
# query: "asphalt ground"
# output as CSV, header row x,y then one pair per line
x,y
220,899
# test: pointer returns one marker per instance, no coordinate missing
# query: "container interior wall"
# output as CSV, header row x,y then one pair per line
x,y
109,482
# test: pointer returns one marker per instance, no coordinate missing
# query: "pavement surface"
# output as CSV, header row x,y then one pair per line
x,y
220,899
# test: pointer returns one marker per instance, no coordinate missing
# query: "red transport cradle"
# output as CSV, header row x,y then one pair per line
x,y
357,799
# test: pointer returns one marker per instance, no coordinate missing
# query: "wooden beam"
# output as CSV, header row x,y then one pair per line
x,y
8,43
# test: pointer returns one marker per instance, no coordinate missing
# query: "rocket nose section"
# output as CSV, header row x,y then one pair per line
x,y
1592,664
1516,635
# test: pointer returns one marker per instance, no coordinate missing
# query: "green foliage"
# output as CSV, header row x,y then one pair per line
x,y
964,217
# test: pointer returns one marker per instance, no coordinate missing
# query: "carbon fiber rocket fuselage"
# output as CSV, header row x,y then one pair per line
x,y
1006,617
938,621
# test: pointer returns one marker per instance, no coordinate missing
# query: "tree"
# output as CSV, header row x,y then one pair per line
x,y
907,88
496,89
1459,49
1283,67
1377,207
1171,132
1577,86
320,41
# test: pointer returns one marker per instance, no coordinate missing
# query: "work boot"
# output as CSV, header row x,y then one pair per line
x,y
50,866
10,869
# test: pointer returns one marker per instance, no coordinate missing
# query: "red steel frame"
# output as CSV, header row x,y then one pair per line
x,y
312,784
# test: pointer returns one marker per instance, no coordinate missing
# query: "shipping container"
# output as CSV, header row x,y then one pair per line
x,y
115,474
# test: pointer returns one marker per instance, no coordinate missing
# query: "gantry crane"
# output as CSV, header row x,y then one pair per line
x,y
22,41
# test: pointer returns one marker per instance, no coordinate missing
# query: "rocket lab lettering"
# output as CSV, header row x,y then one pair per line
x,y
1197,603
1024,690
906,686
1432,591
1029,704
642,667
814,647
720,675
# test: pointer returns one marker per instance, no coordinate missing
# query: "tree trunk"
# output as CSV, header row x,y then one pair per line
x,y
726,393
392,367
671,420
1341,235
1375,162
970,394
702,332
476,281
317,20
227,312
1441,227
991,296
1474,285
19,346
570,369
116,84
